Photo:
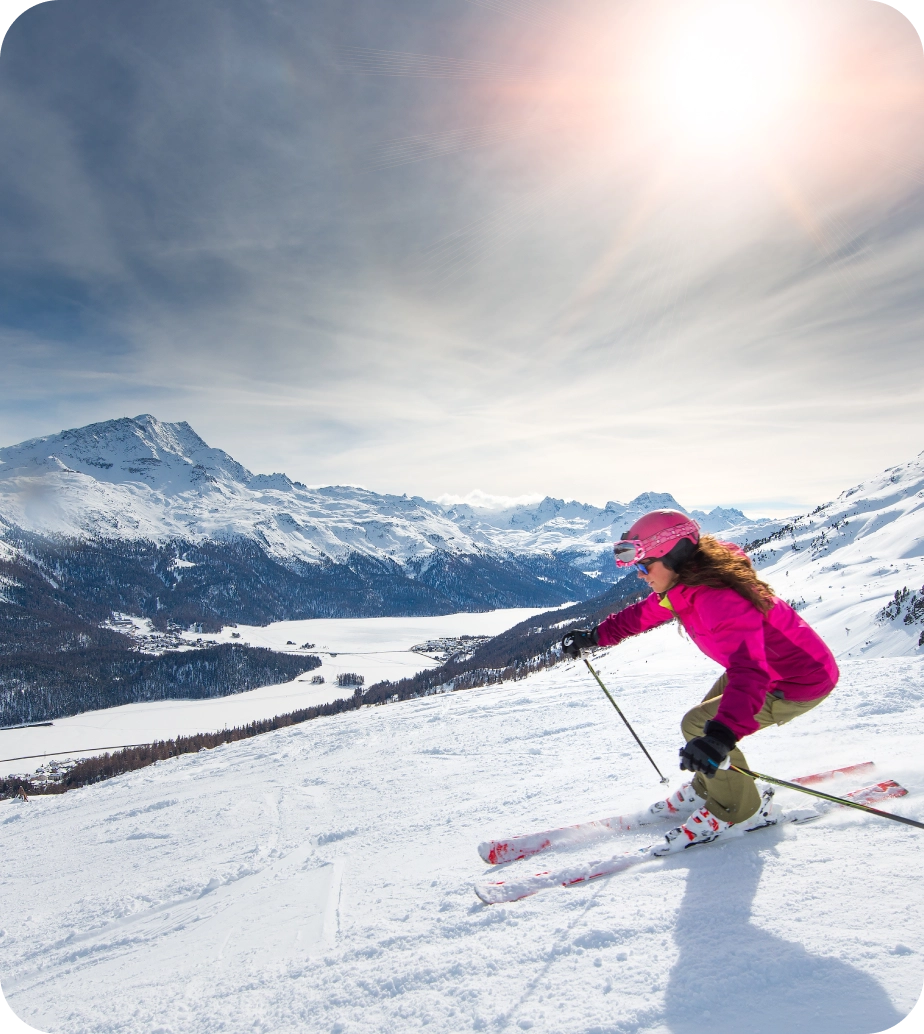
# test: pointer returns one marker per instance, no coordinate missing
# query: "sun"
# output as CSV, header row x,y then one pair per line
x,y
723,72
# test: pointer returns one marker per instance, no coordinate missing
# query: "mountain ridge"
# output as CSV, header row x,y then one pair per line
x,y
199,538
135,478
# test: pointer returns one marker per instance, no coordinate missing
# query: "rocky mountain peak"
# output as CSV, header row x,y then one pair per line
x,y
168,457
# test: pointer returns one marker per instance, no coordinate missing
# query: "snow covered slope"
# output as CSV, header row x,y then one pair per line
x,y
319,878
843,563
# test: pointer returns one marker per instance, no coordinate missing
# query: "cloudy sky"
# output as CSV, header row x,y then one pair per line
x,y
579,247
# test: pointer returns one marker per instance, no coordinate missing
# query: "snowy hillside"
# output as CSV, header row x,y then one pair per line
x,y
319,878
843,563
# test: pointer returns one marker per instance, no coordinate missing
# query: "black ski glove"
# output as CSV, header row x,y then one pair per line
x,y
579,639
705,753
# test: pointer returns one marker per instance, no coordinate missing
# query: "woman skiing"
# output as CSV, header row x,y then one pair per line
x,y
776,666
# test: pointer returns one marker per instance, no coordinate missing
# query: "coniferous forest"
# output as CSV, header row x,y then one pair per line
x,y
514,654
61,653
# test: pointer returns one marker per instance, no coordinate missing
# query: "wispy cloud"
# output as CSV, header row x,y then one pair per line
x,y
303,229
485,501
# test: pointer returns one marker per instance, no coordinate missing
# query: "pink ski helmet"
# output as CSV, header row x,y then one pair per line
x,y
666,535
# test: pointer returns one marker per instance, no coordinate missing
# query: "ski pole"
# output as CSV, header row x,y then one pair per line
x,y
590,668
828,797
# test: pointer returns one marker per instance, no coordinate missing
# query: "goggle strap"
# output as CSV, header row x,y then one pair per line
x,y
638,549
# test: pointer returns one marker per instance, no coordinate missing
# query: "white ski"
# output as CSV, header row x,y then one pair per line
x,y
492,893
524,845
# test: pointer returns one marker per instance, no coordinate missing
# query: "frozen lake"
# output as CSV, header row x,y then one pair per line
x,y
376,648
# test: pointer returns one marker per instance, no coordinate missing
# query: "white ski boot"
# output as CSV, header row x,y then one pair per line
x,y
680,804
768,814
702,827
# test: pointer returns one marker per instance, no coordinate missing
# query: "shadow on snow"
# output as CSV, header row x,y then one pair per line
x,y
733,977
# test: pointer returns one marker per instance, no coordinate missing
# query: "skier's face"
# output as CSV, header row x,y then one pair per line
x,y
659,577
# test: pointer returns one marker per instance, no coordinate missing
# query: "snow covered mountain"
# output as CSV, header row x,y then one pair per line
x,y
144,479
317,878
192,510
582,533
144,518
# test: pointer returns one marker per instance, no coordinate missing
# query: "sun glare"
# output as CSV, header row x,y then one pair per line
x,y
725,71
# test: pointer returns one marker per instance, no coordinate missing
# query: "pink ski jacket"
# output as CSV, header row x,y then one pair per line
x,y
761,653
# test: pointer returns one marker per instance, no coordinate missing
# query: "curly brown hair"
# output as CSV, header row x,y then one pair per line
x,y
720,565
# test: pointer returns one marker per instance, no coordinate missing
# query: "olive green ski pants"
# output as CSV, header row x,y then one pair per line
x,y
730,795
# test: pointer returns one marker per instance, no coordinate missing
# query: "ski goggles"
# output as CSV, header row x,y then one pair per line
x,y
631,551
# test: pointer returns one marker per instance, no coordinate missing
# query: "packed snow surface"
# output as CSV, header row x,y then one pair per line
x,y
319,878
375,648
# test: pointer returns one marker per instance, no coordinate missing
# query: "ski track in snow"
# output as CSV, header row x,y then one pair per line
x,y
319,878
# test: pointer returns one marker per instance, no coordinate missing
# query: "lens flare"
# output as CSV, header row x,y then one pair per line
x,y
725,71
